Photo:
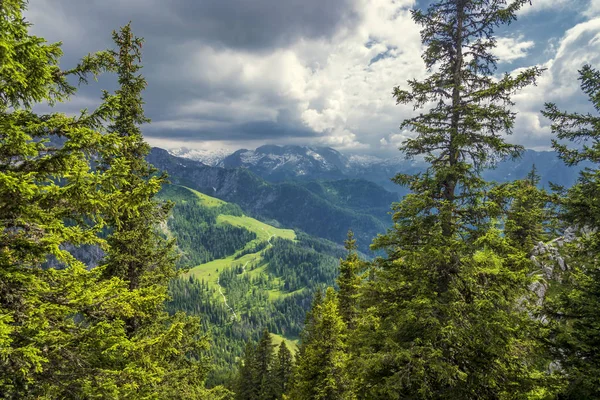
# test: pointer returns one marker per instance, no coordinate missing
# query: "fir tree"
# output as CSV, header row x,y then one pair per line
x,y
442,316
47,202
529,212
245,387
263,364
282,371
138,252
63,331
322,361
349,282
576,338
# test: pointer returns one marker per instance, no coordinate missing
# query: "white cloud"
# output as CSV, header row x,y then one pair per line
x,y
559,83
509,49
541,5
331,86
593,9
338,85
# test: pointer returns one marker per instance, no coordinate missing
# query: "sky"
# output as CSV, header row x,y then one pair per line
x,y
230,74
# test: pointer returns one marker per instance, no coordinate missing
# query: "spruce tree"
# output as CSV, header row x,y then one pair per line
x,y
349,282
138,253
166,352
442,316
528,214
574,310
245,386
264,363
63,330
282,371
47,204
321,372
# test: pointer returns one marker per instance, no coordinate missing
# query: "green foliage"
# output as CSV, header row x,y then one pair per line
x,y
64,182
321,362
444,314
279,203
264,375
574,309
200,238
281,374
349,282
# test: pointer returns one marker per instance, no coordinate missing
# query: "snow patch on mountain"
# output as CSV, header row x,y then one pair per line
x,y
209,157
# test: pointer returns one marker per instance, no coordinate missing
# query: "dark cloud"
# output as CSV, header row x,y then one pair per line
x,y
217,69
239,24
172,30
267,131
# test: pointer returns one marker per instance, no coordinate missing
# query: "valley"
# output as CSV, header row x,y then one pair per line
x,y
258,276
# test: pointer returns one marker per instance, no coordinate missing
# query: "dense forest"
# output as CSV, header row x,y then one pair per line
x,y
479,290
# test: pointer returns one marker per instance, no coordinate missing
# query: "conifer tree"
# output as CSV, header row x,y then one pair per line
x,y
282,371
166,351
47,201
574,310
245,387
62,330
138,252
528,214
264,364
349,282
322,361
442,317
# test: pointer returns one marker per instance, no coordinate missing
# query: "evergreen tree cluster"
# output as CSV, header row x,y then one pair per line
x,y
264,374
68,182
250,295
200,238
485,291
480,290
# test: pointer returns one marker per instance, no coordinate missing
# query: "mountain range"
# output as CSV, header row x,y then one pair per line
x,y
287,163
322,208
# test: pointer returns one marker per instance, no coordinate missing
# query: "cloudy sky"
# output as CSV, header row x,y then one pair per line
x,y
242,73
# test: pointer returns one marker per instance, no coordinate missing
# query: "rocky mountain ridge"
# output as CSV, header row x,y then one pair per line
x,y
276,163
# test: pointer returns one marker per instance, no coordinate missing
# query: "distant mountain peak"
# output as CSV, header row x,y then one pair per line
x,y
282,162
206,156
277,163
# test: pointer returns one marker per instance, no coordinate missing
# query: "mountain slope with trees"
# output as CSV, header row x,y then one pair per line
x,y
287,204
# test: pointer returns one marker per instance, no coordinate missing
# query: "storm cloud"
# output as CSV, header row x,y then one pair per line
x,y
234,72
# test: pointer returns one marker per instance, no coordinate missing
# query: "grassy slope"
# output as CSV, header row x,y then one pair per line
x,y
292,345
209,272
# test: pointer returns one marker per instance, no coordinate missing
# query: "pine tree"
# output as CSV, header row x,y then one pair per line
x,y
138,253
442,316
528,214
576,323
282,371
47,204
63,331
321,372
349,282
264,364
245,387
166,352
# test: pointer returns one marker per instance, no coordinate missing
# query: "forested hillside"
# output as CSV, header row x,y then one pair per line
x,y
117,282
243,276
323,213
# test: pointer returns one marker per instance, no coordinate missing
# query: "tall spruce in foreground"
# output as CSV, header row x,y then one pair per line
x,y
64,331
165,352
48,201
576,322
138,252
442,315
